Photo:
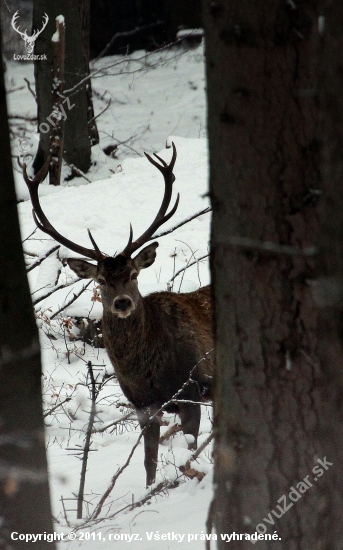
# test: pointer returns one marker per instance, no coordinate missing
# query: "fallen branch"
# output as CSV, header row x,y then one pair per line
x,y
187,468
175,428
77,171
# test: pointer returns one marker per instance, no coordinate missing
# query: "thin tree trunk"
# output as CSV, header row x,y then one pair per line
x,y
77,145
84,9
24,489
262,71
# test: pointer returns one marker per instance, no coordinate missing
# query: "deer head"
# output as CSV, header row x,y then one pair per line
x,y
116,276
29,40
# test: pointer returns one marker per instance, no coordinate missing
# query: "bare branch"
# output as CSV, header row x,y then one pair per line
x,y
121,419
101,113
175,428
100,504
77,171
72,300
86,449
196,261
208,209
53,409
57,287
30,89
42,258
126,34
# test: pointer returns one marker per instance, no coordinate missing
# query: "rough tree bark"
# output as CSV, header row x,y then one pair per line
x,y
328,289
77,134
270,411
24,489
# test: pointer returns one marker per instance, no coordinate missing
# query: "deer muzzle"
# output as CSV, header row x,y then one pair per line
x,y
122,306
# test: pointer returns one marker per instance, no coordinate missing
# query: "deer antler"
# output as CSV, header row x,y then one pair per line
x,y
161,217
43,223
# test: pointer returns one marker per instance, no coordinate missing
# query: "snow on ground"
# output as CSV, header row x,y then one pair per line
x,y
166,96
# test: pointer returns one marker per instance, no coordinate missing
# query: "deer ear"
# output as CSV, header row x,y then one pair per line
x,y
146,257
83,269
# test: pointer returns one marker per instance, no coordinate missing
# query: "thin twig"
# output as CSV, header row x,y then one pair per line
x,y
94,395
42,258
126,34
102,112
33,232
152,492
121,419
196,261
99,506
15,89
72,300
189,262
30,89
56,407
95,73
58,287
158,235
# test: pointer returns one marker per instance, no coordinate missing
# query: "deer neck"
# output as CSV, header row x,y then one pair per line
x,y
124,337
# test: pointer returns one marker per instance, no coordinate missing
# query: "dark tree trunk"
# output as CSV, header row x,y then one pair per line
x,y
84,9
24,489
270,411
77,142
328,289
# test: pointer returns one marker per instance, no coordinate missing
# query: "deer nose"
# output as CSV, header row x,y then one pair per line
x,y
122,304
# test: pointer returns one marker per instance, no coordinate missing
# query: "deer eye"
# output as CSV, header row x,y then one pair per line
x,y
134,276
101,281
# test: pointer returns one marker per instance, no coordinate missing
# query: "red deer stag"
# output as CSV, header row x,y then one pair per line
x,y
158,344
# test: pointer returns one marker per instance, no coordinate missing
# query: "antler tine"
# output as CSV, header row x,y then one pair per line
x,y
161,217
127,249
100,255
43,223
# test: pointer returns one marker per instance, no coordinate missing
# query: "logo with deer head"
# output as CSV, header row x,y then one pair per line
x,y
29,40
